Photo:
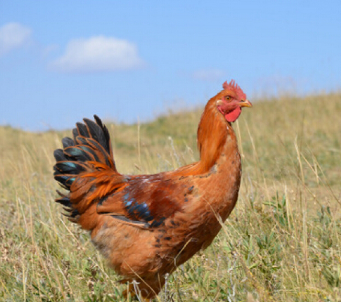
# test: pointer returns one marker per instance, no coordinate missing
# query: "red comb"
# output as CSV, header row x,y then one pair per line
x,y
234,87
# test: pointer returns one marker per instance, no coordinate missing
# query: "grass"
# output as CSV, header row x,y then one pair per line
x,y
281,242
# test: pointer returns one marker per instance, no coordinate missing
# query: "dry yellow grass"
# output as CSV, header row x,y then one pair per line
x,y
281,243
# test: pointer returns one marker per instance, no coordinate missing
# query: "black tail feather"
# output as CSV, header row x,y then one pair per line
x,y
65,180
59,155
82,130
75,133
79,154
67,142
107,145
95,145
69,167
97,133
72,214
65,201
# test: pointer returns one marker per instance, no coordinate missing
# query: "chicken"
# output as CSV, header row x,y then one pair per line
x,y
148,225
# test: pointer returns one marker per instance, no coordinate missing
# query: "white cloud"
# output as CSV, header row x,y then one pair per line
x,y
208,74
98,54
13,35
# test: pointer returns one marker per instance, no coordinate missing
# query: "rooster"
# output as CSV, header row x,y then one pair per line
x,y
148,225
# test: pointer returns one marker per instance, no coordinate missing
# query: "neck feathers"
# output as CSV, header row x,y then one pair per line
x,y
212,132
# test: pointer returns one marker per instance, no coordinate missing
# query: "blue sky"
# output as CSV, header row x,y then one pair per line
x,y
61,61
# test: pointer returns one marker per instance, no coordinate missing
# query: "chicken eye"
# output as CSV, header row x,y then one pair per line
x,y
227,97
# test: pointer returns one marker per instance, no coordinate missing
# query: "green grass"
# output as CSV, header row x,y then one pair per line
x,y
281,242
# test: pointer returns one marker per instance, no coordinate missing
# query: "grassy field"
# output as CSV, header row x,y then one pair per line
x,y
281,243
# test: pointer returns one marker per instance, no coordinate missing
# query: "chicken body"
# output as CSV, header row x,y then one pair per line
x,y
147,225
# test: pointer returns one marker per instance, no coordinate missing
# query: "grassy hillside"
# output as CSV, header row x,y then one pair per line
x,y
281,243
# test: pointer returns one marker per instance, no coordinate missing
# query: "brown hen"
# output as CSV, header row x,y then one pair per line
x,y
147,225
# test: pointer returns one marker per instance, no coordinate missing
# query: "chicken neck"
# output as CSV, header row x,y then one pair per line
x,y
213,131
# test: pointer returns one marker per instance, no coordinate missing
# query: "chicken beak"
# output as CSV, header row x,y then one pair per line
x,y
245,103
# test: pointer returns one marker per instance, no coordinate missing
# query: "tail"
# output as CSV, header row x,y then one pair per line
x,y
86,168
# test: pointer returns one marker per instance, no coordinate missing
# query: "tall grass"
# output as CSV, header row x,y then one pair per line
x,y
281,243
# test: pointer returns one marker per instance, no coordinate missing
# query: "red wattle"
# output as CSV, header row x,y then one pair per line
x,y
233,115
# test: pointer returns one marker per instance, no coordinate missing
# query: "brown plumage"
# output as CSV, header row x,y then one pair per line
x,y
147,225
